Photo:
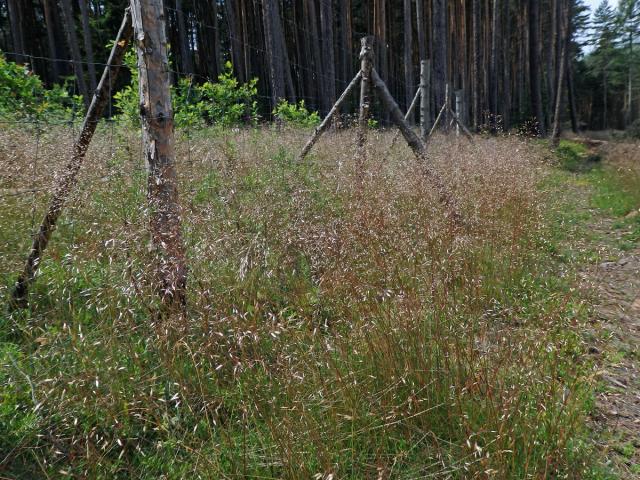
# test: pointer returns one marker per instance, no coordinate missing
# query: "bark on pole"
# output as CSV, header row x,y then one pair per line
x,y
157,135
407,116
327,120
418,146
424,98
70,174
366,66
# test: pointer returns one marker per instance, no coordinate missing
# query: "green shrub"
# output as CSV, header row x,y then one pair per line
x,y
22,95
296,114
226,102
575,157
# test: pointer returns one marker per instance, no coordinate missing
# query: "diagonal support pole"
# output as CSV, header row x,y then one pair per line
x,y
327,120
70,175
465,130
412,107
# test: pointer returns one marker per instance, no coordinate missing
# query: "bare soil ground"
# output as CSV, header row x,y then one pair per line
x,y
616,310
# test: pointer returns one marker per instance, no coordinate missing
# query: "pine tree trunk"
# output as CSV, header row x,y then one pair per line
x,y
234,40
422,42
72,40
49,19
186,64
17,35
534,65
157,134
572,99
282,55
309,10
440,77
493,101
628,112
477,55
346,44
408,57
328,57
560,76
506,71
276,73
605,113
88,47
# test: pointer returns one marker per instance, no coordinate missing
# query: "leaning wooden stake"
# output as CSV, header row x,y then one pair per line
x,y
70,174
461,125
435,124
417,145
327,120
407,115
157,134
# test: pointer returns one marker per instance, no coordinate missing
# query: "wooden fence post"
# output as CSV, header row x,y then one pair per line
x,y
157,133
366,65
458,112
425,98
69,176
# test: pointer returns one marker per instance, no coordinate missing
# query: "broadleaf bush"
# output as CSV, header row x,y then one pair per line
x,y
24,96
296,114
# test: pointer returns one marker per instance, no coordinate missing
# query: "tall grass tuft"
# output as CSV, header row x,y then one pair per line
x,y
336,328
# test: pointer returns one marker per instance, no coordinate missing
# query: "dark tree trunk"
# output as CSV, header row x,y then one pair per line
x,y
274,57
534,65
309,10
326,25
440,77
72,40
477,55
52,43
422,42
282,55
346,45
493,99
506,70
88,47
208,55
186,63
408,58
237,57
572,99
17,35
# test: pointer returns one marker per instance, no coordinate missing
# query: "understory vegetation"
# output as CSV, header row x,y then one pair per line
x,y
338,325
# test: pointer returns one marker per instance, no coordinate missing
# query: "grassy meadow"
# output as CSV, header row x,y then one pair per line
x,y
338,325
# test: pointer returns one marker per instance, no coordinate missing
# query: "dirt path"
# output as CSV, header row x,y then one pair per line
x,y
615,281
617,416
